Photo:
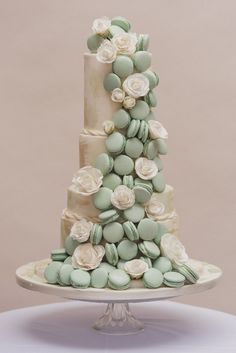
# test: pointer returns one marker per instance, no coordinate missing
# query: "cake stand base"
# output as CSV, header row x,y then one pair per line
x,y
118,320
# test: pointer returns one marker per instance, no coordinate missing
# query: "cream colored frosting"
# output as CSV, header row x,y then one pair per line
x,y
98,105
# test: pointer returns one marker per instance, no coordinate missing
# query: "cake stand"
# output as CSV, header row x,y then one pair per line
x,y
117,318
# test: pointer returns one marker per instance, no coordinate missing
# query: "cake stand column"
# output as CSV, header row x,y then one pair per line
x,y
118,320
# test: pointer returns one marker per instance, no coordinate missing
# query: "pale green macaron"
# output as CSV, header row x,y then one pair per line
x,y
151,116
146,183
133,128
80,278
127,250
111,181
142,60
151,99
95,234
107,267
121,119
64,274
163,264
121,22
123,66
121,264
70,245
152,78
68,260
133,147
102,198
143,131
162,146
162,229
150,149
104,163
130,231
51,272
173,279
149,249
140,110
153,278
134,213
148,229
113,232
158,163
115,30
94,42
147,260
119,280
143,42
111,81
128,181
59,254
123,165
142,193
111,253
159,182
187,272
108,216
99,278
115,143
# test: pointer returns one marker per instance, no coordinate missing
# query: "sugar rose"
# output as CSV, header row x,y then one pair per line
x,y
117,95
125,43
108,126
106,53
172,248
87,180
80,230
145,168
87,256
157,130
129,102
136,268
122,197
154,208
136,85
101,25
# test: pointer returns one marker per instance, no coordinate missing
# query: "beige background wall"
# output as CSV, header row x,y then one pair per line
x,y
41,83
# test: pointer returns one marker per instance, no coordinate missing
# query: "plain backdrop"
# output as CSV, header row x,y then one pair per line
x,y
41,91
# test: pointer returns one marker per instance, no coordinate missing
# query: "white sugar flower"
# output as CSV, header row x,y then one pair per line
x,y
157,130
136,85
87,256
117,95
125,43
122,197
145,168
106,53
87,180
154,208
136,268
108,126
172,247
80,230
129,102
101,25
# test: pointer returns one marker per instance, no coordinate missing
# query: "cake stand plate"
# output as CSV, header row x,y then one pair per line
x,y
117,318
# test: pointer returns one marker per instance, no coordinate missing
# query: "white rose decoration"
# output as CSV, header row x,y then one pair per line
x,y
87,256
106,53
108,126
129,102
172,247
125,43
157,130
136,268
154,208
117,95
145,168
136,85
80,230
101,25
122,197
87,180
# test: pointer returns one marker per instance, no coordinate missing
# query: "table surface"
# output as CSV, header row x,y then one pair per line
x,y
66,327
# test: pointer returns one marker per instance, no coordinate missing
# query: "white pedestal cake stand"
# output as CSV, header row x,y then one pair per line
x,y
117,318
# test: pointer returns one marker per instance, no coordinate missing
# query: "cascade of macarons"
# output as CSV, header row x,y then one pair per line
x,y
128,242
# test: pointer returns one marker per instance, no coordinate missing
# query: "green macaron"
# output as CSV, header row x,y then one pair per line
x,y
121,264
102,198
173,279
123,165
119,280
130,231
115,143
123,66
128,181
142,60
147,260
51,272
111,181
152,278
151,116
187,272
127,250
140,110
161,231
111,253
149,249
143,131
80,278
133,128
134,213
94,42
150,149
148,229
70,245
142,194
104,163
133,147
151,99
159,182
59,254
68,260
108,216
152,78
95,234
111,81
121,22
64,274
158,163
107,267
121,118
113,232
143,42
163,264
99,278
162,146
114,30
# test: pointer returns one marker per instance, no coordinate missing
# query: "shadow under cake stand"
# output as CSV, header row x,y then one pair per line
x,y
117,318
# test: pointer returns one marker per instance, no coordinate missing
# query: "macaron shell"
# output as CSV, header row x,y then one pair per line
x,y
64,274
162,146
142,195
147,229
113,232
127,250
140,110
111,254
143,131
149,249
158,163
159,182
123,165
150,149
142,60
80,278
173,279
70,245
119,279
121,119
133,147
104,163
133,128
152,77
163,264
96,234
111,181
99,278
128,181
115,142
134,213
121,22
111,81
107,267
130,231
152,278
51,272
102,198
123,66
114,30
94,42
